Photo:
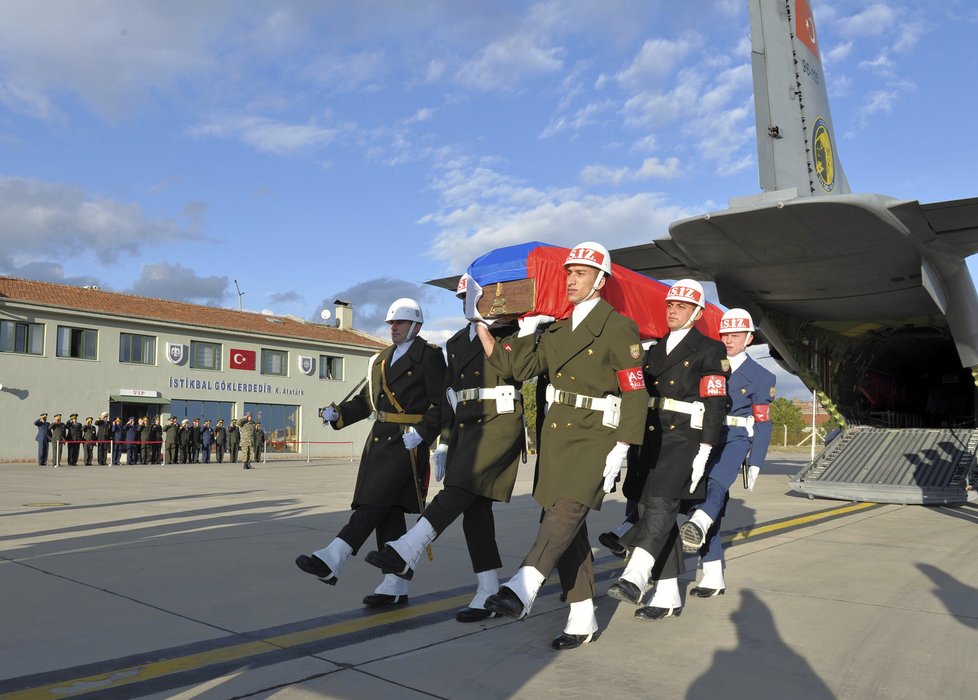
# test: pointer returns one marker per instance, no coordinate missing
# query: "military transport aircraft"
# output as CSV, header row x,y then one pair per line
x,y
867,298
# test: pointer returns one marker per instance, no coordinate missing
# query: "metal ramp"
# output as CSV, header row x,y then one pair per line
x,y
885,465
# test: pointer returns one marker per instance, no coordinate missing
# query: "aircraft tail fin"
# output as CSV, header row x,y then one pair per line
x,y
795,138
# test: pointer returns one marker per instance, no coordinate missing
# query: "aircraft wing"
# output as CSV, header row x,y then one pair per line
x,y
660,259
956,223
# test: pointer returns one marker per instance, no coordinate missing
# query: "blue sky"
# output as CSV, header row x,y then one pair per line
x,y
315,150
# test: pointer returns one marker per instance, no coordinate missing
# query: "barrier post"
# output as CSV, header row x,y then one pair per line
x,y
57,453
308,451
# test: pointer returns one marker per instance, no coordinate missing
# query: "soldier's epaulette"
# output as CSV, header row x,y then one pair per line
x,y
432,345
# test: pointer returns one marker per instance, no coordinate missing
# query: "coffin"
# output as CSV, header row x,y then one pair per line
x,y
529,279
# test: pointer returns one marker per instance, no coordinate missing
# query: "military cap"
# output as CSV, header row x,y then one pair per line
x,y
44,415
72,415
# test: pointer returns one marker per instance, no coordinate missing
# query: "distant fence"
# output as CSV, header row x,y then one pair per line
x,y
307,450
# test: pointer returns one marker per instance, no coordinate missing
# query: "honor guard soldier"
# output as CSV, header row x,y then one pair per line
x,y
483,421
597,406
404,391
745,438
686,375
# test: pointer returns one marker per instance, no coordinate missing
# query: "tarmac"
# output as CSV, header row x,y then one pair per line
x,y
179,582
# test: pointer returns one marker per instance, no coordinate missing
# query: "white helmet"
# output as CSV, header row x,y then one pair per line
x,y
463,285
404,309
736,321
689,291
591,254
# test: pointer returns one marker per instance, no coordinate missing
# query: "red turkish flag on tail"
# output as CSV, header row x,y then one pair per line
x,y
805,26
242,359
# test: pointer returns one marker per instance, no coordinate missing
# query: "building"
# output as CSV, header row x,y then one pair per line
x,y
67,349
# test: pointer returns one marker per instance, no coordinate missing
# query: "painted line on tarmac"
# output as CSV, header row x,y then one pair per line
x,y
202,661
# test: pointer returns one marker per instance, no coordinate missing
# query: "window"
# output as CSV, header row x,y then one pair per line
x,y
205,355
274,362
330,367
280,424
77,342
27,338
138,349
205,410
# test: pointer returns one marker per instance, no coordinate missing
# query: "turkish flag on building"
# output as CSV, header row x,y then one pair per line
x,y
242,359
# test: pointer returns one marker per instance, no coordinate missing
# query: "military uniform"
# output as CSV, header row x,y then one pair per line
x,y
592,360
220,442
156,440
484,446
405,393
88,432
171,432
58,437
751,390
73,430
103,433
206,440
246,433
259,443
43,438
234,440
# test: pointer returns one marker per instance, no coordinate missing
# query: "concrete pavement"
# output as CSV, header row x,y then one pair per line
x,y
179,582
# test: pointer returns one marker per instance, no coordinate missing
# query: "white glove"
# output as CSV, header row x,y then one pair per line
x,y
441,457
613,464
752,473
473,292
699,466
529,324
330,414
412,438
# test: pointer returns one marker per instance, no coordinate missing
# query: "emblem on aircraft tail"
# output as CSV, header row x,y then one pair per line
x,y
824,158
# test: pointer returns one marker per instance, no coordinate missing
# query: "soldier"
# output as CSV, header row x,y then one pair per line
x,y
145,441
155,441
195,441
58,436
405,387
206,440
246,431
184,437
485,440
597,406
103,434
171,443
73,434
259,442
744,438
43,438
88,432
118,438
131,438
234,439
220,440
686,375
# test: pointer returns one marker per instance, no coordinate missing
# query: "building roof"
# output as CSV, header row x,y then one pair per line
x,y
70,298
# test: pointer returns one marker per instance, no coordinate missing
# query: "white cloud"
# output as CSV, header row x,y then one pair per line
x,y
586,116
874,20
657,60
837,53
651,168
269,136
41,220
506,64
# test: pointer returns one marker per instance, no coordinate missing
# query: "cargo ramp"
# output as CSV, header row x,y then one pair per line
x,y
893,465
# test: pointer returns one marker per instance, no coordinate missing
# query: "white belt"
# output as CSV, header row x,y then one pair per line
x,y
504,395
609,405
742,422
482,394
695,409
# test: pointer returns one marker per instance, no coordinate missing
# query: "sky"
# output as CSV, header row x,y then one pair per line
x,y
302,151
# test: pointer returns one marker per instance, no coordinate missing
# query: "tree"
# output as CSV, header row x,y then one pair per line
x,y
784,412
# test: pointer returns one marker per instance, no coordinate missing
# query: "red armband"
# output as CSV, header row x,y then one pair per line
x,y
713,385
762,412
631,379
508,347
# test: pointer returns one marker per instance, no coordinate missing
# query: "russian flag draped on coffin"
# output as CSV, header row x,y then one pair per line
x,y
631,294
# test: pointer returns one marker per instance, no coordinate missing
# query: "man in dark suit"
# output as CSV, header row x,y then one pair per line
x,y
43,438
118,438
103,433
479,455
73,434
234,440
259,441
597,409
155,441
405,389
220,440
195,441
131,438
206,440
686,375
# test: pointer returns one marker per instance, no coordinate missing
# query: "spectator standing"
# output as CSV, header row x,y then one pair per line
x,y
185,438
88,432
145,440
259,442
103,433
131,438
43,439
58,436
206,440
74,436
155,441
170,431
234,440
195,440
118,438
220,440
